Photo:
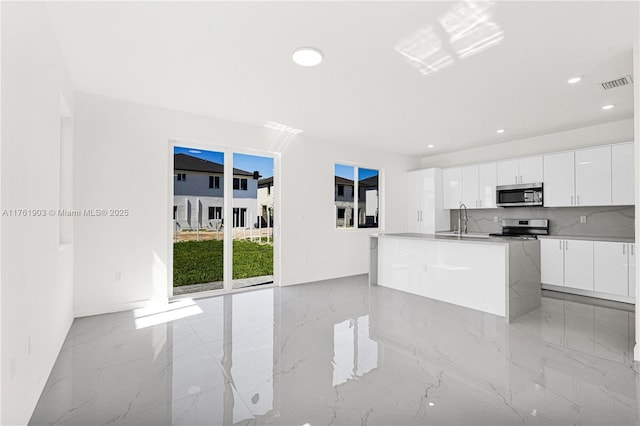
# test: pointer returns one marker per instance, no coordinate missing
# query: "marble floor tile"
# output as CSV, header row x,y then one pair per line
x,y
339,352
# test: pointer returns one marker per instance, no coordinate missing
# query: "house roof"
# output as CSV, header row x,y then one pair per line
x,y
193,164
263,183
371,181
343,181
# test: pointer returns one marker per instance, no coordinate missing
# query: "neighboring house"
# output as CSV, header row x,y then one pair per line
x,y
367,202
344,202
198,193
265,200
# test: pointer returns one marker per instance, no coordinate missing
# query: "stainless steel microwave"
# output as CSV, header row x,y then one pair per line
x,y
527,194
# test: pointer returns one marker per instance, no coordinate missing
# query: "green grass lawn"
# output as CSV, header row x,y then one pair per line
x,y
196,262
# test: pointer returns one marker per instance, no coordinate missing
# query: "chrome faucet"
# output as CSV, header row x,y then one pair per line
x,y
460,219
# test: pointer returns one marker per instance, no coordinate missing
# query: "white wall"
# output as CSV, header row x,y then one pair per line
x,y
37,293
113,135
613,132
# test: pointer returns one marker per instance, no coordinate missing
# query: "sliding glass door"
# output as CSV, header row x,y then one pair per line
x,y
222,220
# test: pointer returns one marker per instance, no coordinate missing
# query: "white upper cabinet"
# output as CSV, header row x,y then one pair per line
x,y
610,267
470,186
425,213
452,187
487,180
593,176
508,172
622,178
520,170
559,180
530,169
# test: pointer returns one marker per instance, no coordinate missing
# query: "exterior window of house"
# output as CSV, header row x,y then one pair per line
x,y
269,190
214,182
356,194
240,184
175,212
182,176
239,217
215,213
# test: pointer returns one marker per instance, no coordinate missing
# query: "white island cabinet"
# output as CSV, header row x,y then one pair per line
x,y
497,276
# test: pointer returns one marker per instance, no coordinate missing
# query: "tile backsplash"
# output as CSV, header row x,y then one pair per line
x,y
605,221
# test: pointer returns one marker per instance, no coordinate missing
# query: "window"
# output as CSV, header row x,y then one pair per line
x,y
268,189
240,184
215,213
175,212
356,193
239,217
182,176
214,182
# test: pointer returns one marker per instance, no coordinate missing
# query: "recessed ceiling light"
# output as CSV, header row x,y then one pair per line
x,y
500,131
574,80
307,56
430,146
607,106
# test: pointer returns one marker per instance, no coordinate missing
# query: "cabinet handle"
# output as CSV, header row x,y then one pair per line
x,y
520,179
421,216
572,200
566,245
578,200
631,246
418,215
480,202
623,251
560,244
516,178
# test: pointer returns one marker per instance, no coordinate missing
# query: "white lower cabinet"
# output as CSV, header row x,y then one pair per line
x,y
602,267
552,261
611,267
578,264
632,270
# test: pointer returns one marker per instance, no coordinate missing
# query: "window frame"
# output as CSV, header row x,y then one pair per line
x,y
214,182
356,189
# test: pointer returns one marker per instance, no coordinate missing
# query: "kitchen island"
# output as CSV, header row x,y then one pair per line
x,y
500,276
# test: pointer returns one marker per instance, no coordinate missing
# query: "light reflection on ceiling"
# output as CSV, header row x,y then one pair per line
x,y
469,28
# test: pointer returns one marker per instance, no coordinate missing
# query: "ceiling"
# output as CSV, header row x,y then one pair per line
x,y
232,60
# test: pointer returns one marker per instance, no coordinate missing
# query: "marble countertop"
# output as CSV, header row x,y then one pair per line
x,y
453,239
587,238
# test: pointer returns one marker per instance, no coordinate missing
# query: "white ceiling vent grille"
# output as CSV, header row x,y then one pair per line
x,y
618,82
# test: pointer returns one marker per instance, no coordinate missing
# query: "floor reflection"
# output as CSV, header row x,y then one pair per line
x,y
339,352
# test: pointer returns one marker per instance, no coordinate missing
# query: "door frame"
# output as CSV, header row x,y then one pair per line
x,y
228,152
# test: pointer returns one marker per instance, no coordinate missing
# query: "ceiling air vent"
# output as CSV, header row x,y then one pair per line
x,y
618,82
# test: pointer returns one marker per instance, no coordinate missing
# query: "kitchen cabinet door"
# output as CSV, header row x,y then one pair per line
x,y
452,188
610,268
470,186
530,169
558,180
622,174
414,201
632,270
487,178
552,261
508,172
593,176
578,264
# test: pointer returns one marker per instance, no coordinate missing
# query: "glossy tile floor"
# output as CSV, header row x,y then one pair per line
x,y
341,353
